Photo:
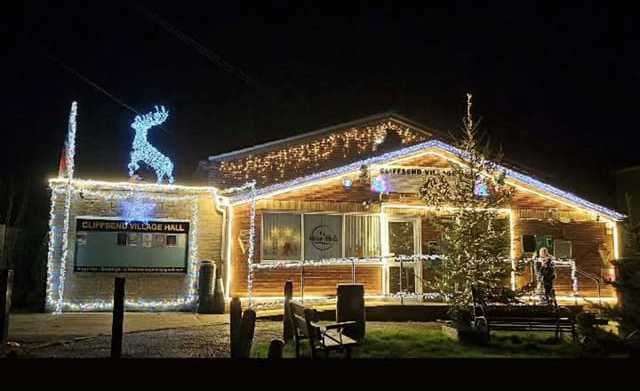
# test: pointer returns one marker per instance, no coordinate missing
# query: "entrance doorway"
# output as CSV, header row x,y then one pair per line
x,y
404,240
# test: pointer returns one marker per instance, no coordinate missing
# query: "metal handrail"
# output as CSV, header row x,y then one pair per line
x,y
593,278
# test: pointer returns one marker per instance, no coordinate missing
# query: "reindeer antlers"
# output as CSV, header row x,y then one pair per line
x,y
146,121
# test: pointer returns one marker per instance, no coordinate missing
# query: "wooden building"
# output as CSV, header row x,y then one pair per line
x,y
332,205
335,205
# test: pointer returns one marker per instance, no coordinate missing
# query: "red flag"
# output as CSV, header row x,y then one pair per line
x,y
62,165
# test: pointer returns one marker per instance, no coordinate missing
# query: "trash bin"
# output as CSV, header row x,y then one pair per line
x,y
350,306
206,287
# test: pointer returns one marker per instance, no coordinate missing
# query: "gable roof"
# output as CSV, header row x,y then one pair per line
x,y
264,147
337,172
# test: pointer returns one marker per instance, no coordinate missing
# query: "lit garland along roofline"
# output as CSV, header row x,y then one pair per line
x,y
417,149
124,185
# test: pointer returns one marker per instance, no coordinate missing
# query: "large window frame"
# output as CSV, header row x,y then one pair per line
x,y
302,214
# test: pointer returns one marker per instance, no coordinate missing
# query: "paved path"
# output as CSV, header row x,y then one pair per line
x,y
39,328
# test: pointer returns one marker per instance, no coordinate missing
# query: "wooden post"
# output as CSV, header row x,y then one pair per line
x,y
6,283
275,349
247,331
287,327
118,318
353,271
401,292
302,283
235,321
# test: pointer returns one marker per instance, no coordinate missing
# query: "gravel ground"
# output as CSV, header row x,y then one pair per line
x,y
191,342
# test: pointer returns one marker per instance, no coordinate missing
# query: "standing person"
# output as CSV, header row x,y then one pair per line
x,y
547,273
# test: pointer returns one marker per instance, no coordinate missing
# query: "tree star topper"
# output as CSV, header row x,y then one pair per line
x,y
146,153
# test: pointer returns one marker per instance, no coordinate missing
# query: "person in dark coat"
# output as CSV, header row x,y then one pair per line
x,y
548,274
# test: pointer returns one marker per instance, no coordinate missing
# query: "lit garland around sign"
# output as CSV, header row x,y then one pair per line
x,y
61,304
122,192
146,153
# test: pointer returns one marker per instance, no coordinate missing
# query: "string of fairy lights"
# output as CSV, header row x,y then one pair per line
x,y
418,149
276,165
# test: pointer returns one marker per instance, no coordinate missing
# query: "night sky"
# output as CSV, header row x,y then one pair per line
x,y
556,87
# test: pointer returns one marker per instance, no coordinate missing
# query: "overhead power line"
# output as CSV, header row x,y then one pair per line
x,y
206,52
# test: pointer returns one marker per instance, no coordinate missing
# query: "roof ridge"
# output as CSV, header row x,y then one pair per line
x,y
379,116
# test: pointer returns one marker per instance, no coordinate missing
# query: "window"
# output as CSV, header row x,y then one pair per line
x,y
281,236
311,236
362,236
322,236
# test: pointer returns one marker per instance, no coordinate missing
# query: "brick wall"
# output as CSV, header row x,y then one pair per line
x,y
88,287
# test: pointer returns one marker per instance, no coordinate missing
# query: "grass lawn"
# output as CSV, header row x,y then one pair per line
x,y
426,340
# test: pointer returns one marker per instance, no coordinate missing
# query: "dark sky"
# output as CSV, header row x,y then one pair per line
x,y
555,86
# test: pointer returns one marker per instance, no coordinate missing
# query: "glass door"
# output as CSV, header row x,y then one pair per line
x,y
403,241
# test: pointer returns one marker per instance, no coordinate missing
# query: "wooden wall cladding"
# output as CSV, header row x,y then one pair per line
x,y
533,214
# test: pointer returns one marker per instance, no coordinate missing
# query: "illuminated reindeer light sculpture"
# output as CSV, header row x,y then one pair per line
x,y
144,152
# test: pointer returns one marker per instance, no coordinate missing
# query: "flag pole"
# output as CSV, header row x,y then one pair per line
x,y
70,152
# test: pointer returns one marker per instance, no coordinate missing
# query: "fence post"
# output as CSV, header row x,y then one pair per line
x,y
118,317
275,349
6,283
235,321
400,279
247,331
287,332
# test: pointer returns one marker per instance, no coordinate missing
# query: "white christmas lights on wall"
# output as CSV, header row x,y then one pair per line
x,y
413,151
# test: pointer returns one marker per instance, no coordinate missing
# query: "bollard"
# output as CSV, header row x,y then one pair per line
x,y
218,297
235,321
118,318
6,283
287,326
275,349
247,331
206,279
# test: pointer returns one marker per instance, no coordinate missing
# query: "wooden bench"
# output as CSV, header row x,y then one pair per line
x,y
322,338
549,318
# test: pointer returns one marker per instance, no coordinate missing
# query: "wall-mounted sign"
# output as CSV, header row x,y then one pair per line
x,y
323,236
104,245
407,179
83,224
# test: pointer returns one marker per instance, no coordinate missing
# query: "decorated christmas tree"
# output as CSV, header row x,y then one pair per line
x,y
471,202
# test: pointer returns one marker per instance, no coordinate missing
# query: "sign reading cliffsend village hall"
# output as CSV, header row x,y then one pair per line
x,y
105,245
121,225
